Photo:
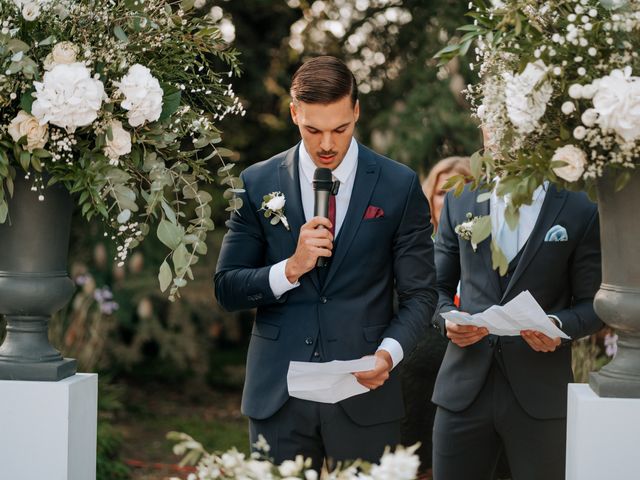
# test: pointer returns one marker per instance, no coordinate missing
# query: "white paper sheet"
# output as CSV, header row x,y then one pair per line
x,y
328,382
521,313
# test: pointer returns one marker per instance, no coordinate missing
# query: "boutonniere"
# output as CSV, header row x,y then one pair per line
x,y
465,229
273,206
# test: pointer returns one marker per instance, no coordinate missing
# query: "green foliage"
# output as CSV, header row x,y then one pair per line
x,y
128,171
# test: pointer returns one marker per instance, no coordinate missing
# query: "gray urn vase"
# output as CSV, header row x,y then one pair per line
x,y
617,302
34,284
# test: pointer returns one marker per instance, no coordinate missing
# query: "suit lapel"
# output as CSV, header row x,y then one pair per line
x,y
553,203
289,175
484,248
367,173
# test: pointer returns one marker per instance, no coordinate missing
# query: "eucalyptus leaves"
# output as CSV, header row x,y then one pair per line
x,y
117,100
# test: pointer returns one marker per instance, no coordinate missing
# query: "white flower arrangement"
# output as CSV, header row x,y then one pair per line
x,y
273,207
558,90
116,100
402,464
465,229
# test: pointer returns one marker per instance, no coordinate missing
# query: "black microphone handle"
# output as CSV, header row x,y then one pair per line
x,y
321,209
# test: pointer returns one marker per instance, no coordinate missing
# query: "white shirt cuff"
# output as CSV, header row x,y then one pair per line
x,y
278,280
557,320
394,348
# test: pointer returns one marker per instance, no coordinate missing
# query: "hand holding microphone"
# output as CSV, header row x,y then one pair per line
x,y
315,242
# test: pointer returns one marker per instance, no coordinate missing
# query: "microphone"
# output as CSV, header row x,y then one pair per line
x,y
322,186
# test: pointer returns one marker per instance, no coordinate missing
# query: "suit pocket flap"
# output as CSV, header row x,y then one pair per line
x,y
374,333
266,330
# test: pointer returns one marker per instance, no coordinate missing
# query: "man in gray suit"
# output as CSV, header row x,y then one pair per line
x,y
510,393
382,241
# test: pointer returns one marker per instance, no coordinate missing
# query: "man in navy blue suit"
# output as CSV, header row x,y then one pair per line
x,y
378,240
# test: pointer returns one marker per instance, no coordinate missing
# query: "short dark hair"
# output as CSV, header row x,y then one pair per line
x,y
323,80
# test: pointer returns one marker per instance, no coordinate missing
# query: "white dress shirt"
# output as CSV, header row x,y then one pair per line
x,y
528,214
528,217
345,173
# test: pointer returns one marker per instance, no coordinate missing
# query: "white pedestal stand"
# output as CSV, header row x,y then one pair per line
x,y
603,435
48,429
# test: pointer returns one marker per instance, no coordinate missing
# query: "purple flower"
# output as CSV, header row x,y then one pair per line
x,y
611,344
104,297
81,280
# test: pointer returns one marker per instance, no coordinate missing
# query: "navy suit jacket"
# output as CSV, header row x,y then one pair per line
x,y
352,310
562,276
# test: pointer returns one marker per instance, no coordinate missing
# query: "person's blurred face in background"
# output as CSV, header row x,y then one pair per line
x,y
434,183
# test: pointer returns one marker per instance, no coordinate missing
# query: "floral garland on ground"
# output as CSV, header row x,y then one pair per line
x,y
118,100
557,91
399,465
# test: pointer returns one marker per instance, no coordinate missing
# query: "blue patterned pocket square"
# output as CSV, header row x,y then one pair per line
x,y
557,233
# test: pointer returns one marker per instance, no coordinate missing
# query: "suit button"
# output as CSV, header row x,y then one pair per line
x,y
308,341
316,354
323,300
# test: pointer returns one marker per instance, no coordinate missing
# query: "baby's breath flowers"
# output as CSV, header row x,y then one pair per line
x,y
120,100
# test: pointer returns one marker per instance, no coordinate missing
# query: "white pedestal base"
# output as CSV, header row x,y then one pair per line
x,y
48,429
603,435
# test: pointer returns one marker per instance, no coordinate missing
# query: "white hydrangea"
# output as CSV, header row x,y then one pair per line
x,y
68,97
527,95
617,103
142,95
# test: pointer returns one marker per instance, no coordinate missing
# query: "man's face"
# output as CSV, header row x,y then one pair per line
x,y
326,130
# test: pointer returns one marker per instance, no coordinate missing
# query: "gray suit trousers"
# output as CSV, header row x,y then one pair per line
x,y
321,430
467,444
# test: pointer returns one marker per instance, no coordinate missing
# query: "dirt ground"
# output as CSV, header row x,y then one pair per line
x,y
150,411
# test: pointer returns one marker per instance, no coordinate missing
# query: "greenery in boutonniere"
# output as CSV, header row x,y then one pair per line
x,y
556,92
119,101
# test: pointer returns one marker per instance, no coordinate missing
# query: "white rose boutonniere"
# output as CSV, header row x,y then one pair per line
x,y
273,206
465,229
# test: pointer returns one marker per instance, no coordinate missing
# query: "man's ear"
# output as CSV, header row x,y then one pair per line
x,y
294,114
356,110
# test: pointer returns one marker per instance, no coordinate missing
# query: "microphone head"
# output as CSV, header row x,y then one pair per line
x,y
323,179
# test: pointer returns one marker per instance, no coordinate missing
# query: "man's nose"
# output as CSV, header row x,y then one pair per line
x,y
326,143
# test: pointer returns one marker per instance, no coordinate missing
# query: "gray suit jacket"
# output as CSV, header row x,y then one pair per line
x,y
353,309
562,276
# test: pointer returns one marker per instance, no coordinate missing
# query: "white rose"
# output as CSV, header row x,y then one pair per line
x,y
527,95
68,97
120,142
617,103
579,132
276,203
63,53
575,91
27,125
199,3
588,91
589,117
568,108
575,160
142,95
30,11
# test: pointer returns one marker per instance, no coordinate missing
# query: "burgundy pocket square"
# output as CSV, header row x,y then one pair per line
x,y
373,212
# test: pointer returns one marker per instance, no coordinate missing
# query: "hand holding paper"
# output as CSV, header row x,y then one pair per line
x,y
521,313
328,382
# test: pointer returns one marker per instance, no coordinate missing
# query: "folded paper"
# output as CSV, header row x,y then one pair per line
x,y
521,313
328,382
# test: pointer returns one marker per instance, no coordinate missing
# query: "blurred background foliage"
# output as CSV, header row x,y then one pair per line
x,y
152,353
